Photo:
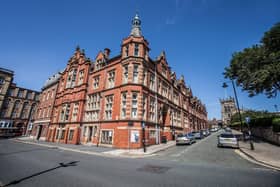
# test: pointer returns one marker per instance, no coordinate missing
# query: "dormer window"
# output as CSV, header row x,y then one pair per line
x,y
164,71
81,77
2,80
98,64
71,78
136,49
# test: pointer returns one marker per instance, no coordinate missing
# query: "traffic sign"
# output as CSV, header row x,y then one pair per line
x,y
247,119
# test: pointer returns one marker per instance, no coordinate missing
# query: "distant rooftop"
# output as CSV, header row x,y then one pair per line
x,y
51,80
6,70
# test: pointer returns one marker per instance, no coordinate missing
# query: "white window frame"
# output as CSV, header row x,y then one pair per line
x,y
135,73
134,105
109,107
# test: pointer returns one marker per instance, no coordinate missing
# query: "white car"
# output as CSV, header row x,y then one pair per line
x,y
227,140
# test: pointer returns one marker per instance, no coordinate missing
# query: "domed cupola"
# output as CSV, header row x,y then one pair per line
x,y
136,27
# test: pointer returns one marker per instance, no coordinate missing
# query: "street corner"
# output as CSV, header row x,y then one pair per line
x,y
243,154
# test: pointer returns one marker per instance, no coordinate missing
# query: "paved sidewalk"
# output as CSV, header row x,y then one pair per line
x,y
264,153
150,150
101,151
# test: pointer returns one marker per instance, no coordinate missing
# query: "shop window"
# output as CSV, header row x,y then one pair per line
x,y
62,134
71,135
152,134
106,137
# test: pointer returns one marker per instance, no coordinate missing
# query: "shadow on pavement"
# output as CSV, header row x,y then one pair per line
x,y
73,163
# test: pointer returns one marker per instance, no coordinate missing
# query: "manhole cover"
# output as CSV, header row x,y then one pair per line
x,y
154,169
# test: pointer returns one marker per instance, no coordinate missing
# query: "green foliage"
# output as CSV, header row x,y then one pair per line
x,y
276,124
263,122
250,113
258,119
257,69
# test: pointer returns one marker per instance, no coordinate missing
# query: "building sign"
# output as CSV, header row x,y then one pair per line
x,y
30,126
247,119
134,136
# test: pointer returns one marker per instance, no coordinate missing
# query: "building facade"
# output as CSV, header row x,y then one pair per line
x,y
228,109
68,110
45,108
17,106
123,101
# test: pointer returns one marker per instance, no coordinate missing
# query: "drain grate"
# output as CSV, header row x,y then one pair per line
x,y
154,169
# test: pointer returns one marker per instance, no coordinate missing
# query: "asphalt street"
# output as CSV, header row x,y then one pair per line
x,y
206,152
31,165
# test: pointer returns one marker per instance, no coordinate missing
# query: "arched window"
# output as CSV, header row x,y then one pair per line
x,y
71,78
16,109
5,107
24,113
32,111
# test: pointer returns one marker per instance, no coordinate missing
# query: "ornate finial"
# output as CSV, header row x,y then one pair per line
x,y
136,26
182,77
78,48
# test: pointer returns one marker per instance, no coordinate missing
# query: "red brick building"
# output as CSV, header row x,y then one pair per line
x,y
121,101
45,108
68,111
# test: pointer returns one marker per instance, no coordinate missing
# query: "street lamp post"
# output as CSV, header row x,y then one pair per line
x,y
172,126
237,103
250,135
240,118
143,136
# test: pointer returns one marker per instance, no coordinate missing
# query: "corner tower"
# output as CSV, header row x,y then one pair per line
x,y
135,44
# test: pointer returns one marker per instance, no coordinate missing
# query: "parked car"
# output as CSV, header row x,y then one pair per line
x,y
227,129
205,132
197,134
183,139
227,140
214,129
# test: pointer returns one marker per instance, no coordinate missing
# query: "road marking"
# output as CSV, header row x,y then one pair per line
x,y
176,155
263,169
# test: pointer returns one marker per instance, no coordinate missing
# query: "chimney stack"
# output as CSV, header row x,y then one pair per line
x,y
107,52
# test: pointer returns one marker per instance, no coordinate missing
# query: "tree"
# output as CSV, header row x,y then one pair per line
x,y
257,69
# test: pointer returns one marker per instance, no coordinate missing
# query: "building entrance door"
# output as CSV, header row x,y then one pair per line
x,y
89,134
39,130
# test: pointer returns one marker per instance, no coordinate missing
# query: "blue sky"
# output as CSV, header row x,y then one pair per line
x,y
199,36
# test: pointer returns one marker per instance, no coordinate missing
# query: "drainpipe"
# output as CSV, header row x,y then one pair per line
x,y
156,98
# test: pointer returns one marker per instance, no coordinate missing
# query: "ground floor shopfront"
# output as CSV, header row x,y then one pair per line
x,y
15,127
120,134
40,129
